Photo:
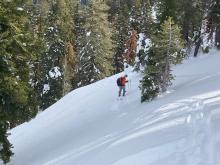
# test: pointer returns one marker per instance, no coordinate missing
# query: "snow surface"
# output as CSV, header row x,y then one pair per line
x,y
90,126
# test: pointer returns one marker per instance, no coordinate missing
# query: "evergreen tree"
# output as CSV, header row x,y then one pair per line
x,y
18,50
203,35
150,81
189,21
188,14
119,14
171,51
35,22
57,63
129,18
146,20
142,54
107,45
94,45
214,20
166,9
50,82
140,16
5,145
134,15
66,9
166,50
144,26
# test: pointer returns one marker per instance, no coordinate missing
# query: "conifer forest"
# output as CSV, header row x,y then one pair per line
x,y
51,47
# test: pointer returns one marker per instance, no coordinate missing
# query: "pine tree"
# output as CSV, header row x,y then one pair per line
x,y
119,41
18,50
59,59
203,35
134,15
166,9
144,26
5,146
142,54
129,19
214,20
146,20
119,14
171,51
150,81
189,15
50,74
139,16
189,21
66,9
107,45
94,45
35,24
166,50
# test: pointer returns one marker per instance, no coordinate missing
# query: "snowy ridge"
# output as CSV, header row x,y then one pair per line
x,y
90,126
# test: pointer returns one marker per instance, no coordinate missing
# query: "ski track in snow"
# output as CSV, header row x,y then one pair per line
x,y
190,111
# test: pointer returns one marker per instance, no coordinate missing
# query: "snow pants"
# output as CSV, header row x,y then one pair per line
x,y
121,89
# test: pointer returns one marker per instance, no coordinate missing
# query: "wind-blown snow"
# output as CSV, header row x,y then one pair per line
x,y
89,126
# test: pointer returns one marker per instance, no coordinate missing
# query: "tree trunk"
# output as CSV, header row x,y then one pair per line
x,y
166,72
198,44
217,37
70,61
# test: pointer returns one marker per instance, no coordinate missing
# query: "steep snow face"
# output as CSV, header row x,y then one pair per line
x,y
90,126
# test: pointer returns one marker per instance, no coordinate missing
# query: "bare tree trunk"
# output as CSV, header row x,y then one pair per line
x,y
217,37
166,72
198,44
70,61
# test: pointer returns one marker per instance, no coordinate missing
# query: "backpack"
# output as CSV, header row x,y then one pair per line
x,y
119,81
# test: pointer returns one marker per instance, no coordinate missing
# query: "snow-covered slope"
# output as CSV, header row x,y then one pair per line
x,y
90,126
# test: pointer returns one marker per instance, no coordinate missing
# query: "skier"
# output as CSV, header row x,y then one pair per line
x,y
121,81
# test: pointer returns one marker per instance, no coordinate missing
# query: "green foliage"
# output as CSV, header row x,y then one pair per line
x,y
188,20
166,9
94,45
119,15
140,62
150,81
5,146
166,50
170,41
215,11
126,16
18,49
55,25
215,18
140,17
